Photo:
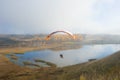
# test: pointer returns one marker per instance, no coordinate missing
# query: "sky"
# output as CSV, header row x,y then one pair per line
x,y
45,16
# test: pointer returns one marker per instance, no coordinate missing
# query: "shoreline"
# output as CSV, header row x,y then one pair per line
x,y
19,49
11,71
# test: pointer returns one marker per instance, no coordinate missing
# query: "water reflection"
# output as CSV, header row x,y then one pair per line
x,y
70,57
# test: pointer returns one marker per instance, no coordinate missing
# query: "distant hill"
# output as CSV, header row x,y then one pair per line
x,y
6,41
105,69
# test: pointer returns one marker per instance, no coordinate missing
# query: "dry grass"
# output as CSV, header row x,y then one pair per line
x,y
16,50
48,63
104,69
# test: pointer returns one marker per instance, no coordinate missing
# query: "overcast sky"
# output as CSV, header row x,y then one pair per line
x,y
45,16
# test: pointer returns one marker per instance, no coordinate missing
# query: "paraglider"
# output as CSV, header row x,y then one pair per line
x,y
61,56
67,32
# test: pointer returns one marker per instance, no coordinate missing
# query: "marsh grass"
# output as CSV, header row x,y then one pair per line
x,y
48,63
30,64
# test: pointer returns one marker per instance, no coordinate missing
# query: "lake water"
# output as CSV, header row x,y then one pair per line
x,y
70,57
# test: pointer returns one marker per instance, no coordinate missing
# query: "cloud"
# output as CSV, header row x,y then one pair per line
x,y
107,13
44,16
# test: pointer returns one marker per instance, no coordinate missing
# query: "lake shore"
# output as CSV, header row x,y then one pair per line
x,y
54,47
108,66
11,71
18,49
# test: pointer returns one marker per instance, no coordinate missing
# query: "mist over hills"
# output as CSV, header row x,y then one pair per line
x,y
32,40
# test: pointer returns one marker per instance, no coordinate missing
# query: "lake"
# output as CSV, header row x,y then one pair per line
x,y
70,57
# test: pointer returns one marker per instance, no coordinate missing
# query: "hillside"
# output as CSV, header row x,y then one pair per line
x,y
105,69
6,42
